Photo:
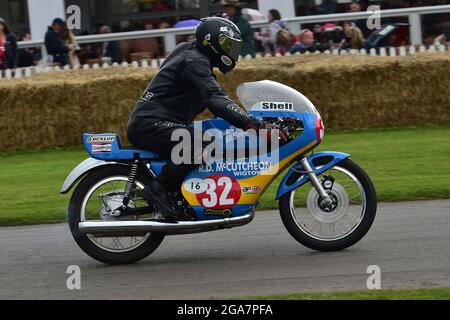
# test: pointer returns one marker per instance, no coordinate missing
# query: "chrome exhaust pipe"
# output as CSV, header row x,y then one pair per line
x,y
168,228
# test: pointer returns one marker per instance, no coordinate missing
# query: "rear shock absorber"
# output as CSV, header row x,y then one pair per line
x,y
130,183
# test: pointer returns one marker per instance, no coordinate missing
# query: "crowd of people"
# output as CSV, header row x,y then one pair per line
x,y
8,47
63,49
347,35
60,44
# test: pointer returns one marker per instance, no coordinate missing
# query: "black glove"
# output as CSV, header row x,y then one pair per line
x,y
257,125
254,123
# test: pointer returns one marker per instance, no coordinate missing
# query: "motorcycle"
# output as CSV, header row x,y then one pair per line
x,y
112,223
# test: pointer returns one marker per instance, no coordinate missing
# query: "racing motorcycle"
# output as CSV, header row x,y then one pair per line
x,y
326,201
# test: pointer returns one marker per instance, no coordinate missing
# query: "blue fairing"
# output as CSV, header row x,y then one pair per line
x,y
307,137
107,146
336,157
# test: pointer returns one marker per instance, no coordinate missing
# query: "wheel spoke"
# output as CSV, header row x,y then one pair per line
x,y
328,224
107,194
117,242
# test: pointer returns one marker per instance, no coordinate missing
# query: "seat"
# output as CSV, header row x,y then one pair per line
x,y
108,147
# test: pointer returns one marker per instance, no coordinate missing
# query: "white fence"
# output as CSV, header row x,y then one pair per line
x,y
155,63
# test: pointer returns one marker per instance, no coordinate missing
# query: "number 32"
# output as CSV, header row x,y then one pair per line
x,y
212,194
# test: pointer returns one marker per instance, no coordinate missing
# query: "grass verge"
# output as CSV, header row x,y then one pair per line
x,y
405,164
405,294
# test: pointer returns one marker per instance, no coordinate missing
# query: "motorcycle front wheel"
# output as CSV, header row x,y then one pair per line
x,y
331,227
96,198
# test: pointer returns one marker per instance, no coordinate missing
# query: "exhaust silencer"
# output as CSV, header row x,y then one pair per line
x,y
168,228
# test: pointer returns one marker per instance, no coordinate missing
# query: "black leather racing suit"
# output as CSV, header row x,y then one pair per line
x,y
181,90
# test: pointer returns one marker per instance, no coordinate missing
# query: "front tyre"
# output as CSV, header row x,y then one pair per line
x,y
336,227
96,198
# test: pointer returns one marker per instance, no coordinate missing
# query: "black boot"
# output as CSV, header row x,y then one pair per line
x,y
157,194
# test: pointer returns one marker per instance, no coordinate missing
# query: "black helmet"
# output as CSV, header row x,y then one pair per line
x,y
219,39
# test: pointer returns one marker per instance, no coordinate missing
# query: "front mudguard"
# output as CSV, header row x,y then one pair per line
x,y
331,159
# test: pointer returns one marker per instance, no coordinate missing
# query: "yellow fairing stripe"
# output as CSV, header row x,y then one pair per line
x,y
263,180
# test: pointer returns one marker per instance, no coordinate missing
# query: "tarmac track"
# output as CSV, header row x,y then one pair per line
x,y
409,241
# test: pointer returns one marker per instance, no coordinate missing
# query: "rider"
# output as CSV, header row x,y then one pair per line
x,y
183,87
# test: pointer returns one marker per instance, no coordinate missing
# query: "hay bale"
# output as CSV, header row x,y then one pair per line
x,y
54,109
363,91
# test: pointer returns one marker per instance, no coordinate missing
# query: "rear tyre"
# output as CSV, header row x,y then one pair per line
x,y
84,206
318,229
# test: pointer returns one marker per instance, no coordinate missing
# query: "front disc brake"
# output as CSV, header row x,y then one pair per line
x,y
329,214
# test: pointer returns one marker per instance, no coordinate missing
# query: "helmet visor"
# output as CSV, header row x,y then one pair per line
x,y
231,47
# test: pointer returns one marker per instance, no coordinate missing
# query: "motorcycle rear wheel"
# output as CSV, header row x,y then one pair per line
x,y
91,245
314,229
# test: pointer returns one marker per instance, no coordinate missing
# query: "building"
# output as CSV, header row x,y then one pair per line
x,y
35,15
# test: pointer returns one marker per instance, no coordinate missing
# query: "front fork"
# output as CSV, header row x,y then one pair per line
x,y
324,196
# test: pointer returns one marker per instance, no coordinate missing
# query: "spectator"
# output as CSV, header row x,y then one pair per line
x,y
163,24
8,47
354,38
444,38
319,34
332,34
277,37
27,56
306,42
232,8
69,40
356,6
285,40
54,44
110,49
